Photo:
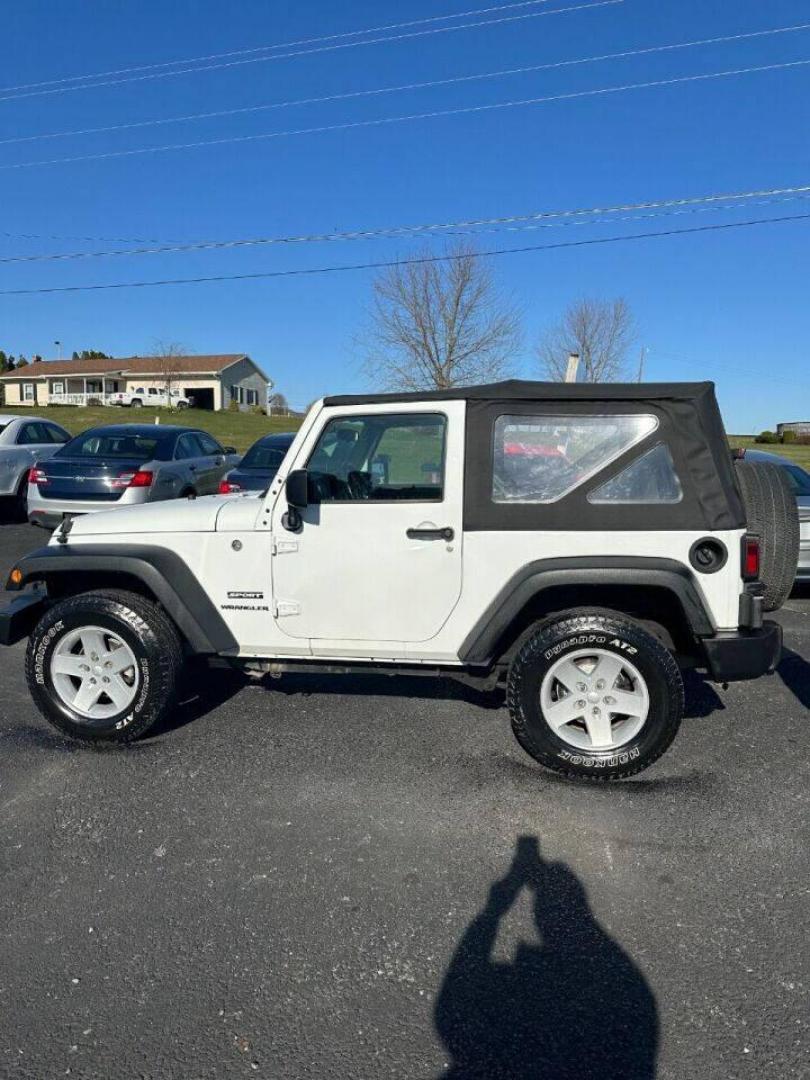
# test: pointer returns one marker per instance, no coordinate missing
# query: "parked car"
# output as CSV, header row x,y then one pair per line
x,y
259,465
799,480
122,464
395,539
23,441
153,396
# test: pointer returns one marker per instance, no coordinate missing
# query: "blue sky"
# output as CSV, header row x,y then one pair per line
x,y
728,305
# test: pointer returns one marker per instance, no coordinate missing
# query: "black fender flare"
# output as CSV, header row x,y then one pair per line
x,y
536,577
163,573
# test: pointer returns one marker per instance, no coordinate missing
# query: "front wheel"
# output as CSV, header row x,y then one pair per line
x,y
594,696
136,404
104,666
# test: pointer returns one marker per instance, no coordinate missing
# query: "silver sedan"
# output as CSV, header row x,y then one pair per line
x,y
24,440
123,464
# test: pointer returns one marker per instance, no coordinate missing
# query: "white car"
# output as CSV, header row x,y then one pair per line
x,y
581,544
152,396
24,440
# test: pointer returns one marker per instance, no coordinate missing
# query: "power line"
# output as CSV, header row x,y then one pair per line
x,y
311,52
403,262
474,226
432,115
279,45
394,230
219,113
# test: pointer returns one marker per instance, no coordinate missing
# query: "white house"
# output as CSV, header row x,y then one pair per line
x,y
212,381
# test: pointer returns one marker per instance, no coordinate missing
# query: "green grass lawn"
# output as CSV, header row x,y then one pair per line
x,y
799,454
229,428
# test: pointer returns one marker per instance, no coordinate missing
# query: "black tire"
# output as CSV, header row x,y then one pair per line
x,y
773,515
149,633
136,404
181,405
613,633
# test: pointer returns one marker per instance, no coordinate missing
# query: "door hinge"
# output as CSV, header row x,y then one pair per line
x,y
285,607
283,547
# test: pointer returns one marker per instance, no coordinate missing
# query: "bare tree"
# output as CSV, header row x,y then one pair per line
x,y
439,324
168,355
278,405
599,331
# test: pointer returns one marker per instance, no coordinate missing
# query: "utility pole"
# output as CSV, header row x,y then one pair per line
x,y
642,356
573,366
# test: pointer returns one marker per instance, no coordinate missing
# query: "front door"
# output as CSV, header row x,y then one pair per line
x,y
378,557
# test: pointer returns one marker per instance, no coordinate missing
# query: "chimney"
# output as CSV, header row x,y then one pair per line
x,y
573,365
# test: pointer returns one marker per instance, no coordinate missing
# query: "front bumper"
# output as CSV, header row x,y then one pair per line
x,y
738,655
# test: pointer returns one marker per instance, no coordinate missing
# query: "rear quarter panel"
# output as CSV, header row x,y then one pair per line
x,y
492,558
15,461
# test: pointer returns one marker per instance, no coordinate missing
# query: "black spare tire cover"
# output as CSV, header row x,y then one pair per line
x,y
772,514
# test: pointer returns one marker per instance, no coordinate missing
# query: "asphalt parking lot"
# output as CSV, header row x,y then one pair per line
x,y
322,878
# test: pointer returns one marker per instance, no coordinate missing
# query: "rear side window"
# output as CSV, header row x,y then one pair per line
x,y
33,433
539,459
649,479
384,458
57,434
799,479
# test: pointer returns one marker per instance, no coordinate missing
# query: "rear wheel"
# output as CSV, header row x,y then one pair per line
x,y
771,513
594,696
104,666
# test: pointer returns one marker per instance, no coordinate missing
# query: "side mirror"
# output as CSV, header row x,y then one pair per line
x,y
296,489
230,450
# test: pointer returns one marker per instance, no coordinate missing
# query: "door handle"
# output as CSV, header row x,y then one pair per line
x,y
430,534
192,468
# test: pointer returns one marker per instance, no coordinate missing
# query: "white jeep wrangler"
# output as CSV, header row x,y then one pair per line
x,y
581,544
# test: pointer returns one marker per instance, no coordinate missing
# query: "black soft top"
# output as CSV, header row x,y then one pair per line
x,y
690,425
526,390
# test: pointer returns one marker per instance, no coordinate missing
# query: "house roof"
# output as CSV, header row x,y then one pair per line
x,y
134,365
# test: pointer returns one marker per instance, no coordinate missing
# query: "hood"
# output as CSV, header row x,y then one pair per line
x,y
176,515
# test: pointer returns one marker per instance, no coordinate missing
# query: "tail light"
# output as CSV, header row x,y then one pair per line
x,y
228,487
140,479
750,558
37,476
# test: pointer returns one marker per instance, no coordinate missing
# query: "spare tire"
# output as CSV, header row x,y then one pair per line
x,y
772,514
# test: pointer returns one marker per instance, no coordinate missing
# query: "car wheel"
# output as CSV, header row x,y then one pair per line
x,y
136,404
182,405
104,666
594,696
772,514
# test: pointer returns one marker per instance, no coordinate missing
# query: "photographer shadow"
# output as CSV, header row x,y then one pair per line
x,y
574,1007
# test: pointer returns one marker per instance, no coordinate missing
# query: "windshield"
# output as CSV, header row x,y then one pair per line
x,y
262,457
118,444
